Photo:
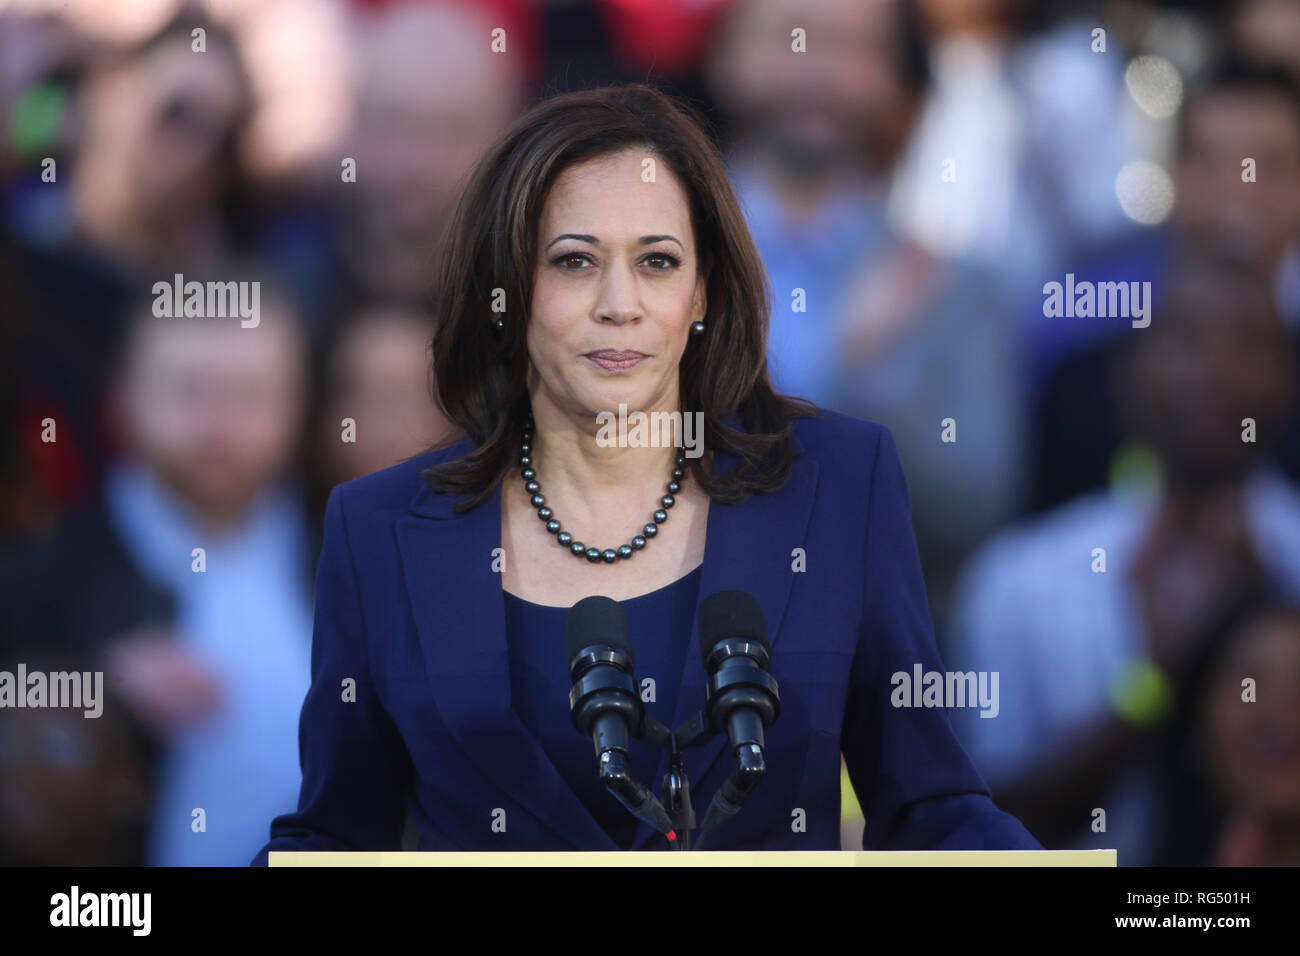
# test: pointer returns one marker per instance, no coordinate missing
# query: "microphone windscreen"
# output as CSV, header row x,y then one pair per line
x,y
725,614
597,620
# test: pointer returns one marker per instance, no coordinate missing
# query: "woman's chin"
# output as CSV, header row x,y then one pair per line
x,y
610,399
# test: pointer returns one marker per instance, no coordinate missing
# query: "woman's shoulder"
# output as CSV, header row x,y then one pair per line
x,y
841,442
397,489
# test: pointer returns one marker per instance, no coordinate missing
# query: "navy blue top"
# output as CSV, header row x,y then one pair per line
x,y
398,604
660,627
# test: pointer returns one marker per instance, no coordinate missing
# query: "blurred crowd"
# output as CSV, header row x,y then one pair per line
x,y
1108,513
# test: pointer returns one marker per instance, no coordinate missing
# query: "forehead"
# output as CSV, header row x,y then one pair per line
x,y
1240,309
1245,109
394,64
778,17
609,195
176,58
201,345
173,69
1274,633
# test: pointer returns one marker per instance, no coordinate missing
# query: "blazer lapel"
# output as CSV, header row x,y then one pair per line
x,y
459,613
747,548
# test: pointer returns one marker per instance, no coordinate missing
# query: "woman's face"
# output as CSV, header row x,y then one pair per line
x,y
1254,748
615,272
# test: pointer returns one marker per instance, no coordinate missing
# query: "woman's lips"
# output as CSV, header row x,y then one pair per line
x,y
612,360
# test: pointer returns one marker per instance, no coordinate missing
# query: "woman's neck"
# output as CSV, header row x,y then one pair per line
x,y
600,466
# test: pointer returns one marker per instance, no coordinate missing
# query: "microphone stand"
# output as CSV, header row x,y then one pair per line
x,y
676,787
677,797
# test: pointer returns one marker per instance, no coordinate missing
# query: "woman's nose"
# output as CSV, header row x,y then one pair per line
x,y
619,301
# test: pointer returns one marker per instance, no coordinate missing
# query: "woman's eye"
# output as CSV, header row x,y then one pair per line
x,y
566,261
670,262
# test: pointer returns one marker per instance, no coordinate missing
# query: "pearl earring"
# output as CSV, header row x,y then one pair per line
x,y
697,328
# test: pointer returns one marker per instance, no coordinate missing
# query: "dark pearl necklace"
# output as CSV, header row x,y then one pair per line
x,y
577,548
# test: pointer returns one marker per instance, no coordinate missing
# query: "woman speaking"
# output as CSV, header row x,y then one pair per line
x,y
597,270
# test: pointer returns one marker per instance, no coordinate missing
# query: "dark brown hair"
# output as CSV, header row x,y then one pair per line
x,y
491,243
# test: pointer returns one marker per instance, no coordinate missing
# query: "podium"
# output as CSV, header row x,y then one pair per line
x,y
984,858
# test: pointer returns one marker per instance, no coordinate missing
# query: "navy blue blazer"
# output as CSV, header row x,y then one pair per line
x,y
408,607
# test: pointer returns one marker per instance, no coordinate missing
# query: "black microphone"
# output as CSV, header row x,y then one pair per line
x,y
742,698
604,702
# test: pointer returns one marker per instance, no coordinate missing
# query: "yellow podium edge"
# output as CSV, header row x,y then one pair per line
x,y
982,858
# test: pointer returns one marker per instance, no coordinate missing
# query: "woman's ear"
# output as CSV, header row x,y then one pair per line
x,y
700,304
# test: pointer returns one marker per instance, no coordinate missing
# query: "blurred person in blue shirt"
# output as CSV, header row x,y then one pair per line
x,y
1240,109
1090,613
864,319
814,135
187,581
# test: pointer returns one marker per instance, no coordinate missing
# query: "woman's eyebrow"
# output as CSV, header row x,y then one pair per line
x,y
645,240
